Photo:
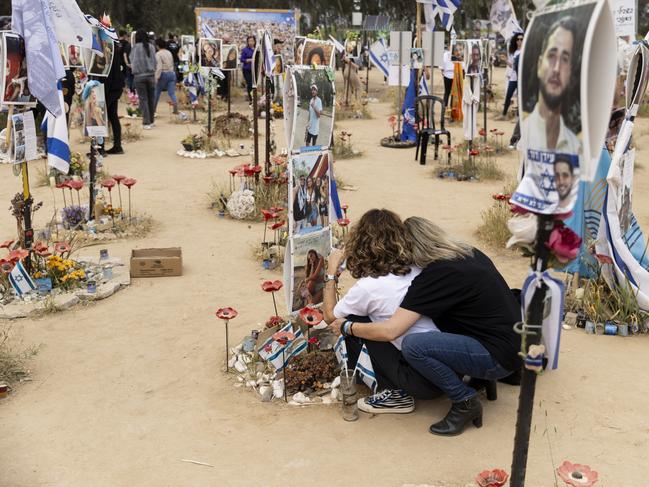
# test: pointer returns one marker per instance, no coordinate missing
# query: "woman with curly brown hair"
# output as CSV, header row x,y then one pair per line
x,y
380,257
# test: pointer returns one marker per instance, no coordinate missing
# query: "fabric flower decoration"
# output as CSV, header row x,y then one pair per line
x,y
75,184
268,215
474,152
119,178
272,286
108,183
283,337
564,243
577,475
523,229
310,316
343,222
492,478
128,182
277,225
18,255
226,313
6,266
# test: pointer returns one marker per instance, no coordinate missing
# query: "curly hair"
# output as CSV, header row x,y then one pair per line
x,y
377,246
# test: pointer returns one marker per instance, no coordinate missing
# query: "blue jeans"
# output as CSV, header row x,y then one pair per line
x,y
440,357
166,82
511,89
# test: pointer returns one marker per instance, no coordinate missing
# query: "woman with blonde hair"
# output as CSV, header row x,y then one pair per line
x,y
464,294
379,256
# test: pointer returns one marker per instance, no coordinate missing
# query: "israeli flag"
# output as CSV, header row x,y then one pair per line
x,y
379,56
409,128
299,344
20,280
365,370
207,32
56,130
339,47
340,349
278,354
423,86
444,9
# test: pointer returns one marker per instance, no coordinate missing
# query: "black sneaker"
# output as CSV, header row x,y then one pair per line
x,y
115,150
394,401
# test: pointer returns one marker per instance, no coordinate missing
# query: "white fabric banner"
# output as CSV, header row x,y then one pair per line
x,y
70,24
624,17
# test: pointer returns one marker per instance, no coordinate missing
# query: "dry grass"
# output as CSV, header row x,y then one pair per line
x,y
13,358
357,109
493,231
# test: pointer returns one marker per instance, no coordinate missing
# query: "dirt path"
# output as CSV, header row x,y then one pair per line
x,y
125,389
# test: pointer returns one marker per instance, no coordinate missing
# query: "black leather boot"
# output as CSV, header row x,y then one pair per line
x,y
490,387
459,416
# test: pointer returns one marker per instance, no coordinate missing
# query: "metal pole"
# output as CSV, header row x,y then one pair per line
x,y
91,183
229,91
209,111
484,104
534,319
399,87
268,102
367,66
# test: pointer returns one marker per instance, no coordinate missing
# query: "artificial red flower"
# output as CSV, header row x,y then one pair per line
x,y
248,170
501,196
267,179
6,244
493,130
108,183
62,185
499,132
474,152
274,321
226,313
488,148
128,182
343,222
564,243
447,147
61,247
119,178
277,225
6,266
313,341
41,249
75,184
604,259
482,132
18,254
276,209
492,478
577,475
344,207
268,215
234,171
310,316
283,337
272,286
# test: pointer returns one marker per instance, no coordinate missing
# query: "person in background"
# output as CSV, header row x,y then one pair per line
x,y
173,47
515,44
165,74
125,44
114,86
448,68
143,65
223,88
246,59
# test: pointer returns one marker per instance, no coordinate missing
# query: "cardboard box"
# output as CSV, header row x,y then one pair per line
x,y
157,262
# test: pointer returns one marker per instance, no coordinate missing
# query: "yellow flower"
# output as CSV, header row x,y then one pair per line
x,y
64,278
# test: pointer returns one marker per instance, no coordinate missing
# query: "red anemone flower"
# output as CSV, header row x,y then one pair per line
x,y
313,341
343,222
6,244
75,184
6,266
41,249
492,478
234,171
226,313
482,132
277,225
108,183
500,132
493,131
272,286
283,337
267,179
128,182
344,207
488,148
18,254
277,209
62,185
268,215
310,316
274,321
474,152
61,247
577,475
119,178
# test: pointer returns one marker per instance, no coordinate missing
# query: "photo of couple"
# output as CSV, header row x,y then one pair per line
x,y
310,193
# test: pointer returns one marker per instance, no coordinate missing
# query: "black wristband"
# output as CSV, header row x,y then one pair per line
x,y
351,329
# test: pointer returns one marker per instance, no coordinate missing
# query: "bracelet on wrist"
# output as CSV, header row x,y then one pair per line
x,y
351,329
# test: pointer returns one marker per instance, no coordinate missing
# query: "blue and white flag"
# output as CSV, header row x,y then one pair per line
x,y
278,354
444,9
551,330
408,130
299,345
56,130
205,29
365,369
339,47
379,56
269,57
32,20
20,280
340,349
423,85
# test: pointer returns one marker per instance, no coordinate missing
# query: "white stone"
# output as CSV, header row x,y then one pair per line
x,y
11,312
278,389
251,383
327,400
266,393
106,290
65,301
336,382
293,403
232,361
240,366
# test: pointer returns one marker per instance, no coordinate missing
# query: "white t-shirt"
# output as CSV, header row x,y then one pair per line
x,y
314,120
448,67
379,298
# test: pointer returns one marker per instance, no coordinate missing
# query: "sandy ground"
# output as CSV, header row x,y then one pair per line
x,y
125,389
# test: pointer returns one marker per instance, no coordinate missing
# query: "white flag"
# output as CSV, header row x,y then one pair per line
x,y
365,369
70,24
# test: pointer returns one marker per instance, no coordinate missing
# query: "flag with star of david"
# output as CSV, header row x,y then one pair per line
x,y
379,56
20,280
